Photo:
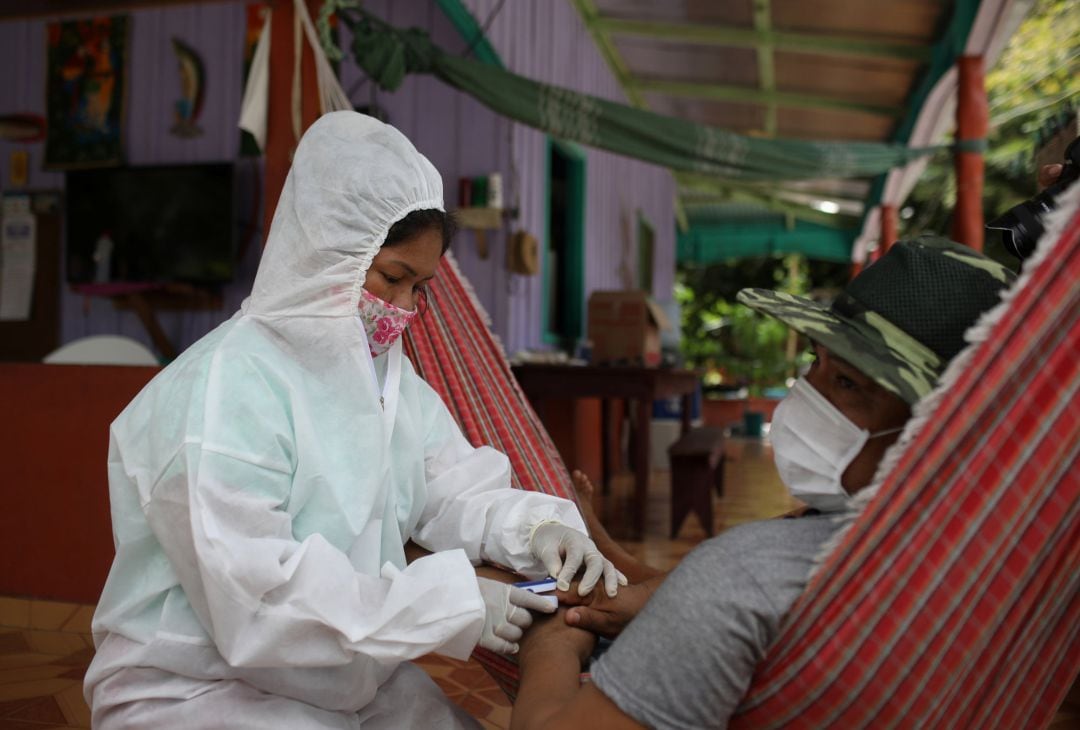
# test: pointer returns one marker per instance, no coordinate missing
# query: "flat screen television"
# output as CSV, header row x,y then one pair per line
x,y
151,224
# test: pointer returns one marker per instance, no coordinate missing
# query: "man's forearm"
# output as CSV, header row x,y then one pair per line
x,y
550,678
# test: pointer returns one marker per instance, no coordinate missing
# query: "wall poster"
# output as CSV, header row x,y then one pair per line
x,y
86,92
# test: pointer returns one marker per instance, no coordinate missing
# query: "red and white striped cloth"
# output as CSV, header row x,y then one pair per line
x,y
452,348
954,599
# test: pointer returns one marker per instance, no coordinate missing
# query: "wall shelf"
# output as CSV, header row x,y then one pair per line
x,y
480,221
479,218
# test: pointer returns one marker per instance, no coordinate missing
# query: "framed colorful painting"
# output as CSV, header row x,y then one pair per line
x,y
86,92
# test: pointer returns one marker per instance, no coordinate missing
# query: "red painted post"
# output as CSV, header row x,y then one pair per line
x,y
889,229
281,139
972,122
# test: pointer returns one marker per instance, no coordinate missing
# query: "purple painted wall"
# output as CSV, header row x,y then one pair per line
x,y
542,39
548,41
216,31
460,137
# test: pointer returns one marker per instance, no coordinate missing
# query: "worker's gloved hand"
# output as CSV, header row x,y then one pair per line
x,y
563,549
506,614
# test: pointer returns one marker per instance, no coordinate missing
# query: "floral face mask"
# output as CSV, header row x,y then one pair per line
x,y
382,321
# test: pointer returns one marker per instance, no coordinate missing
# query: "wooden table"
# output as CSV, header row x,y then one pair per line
x,y
640,384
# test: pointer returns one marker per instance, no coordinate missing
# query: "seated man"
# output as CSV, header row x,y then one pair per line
x,y
689,656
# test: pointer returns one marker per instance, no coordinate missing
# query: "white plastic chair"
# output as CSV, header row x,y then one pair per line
x,y
102,350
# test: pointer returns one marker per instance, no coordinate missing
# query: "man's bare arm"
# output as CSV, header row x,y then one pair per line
x,y
551,696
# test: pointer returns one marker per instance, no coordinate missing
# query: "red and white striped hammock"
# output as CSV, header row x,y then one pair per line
x,y
451,346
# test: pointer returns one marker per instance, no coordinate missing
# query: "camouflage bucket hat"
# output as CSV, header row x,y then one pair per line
x,y
903,318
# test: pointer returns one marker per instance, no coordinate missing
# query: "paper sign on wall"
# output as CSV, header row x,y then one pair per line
x,y
18,254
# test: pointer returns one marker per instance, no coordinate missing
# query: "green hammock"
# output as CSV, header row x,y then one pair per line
x,y
387,54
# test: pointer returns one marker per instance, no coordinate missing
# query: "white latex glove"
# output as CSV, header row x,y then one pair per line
x,y
563,549
506,614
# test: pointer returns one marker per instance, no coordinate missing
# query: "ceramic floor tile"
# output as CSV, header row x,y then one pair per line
x,y
14,612
39,688
10,707
39,710
33,672
448,687
74,707
474,705
54,642
80,620
500,713
468,676
13,642
79,657
51,615
25,659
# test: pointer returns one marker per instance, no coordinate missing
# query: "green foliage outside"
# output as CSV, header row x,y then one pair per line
x,y
1034,85
733,344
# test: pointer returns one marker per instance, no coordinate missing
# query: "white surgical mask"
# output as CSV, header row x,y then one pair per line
x,y
813,444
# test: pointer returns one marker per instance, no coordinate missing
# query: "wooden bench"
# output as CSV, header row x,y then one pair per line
x,y
697,466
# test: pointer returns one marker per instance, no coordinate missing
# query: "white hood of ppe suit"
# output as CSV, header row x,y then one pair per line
x,y
261,495
352,178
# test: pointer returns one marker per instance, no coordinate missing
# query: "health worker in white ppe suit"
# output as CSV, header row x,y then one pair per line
x,y
264,484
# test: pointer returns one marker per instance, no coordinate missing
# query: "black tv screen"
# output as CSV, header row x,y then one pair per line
x,y
165,224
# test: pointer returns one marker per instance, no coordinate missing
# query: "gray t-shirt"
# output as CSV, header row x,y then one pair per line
x,y
686,660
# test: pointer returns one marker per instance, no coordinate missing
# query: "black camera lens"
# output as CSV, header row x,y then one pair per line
x,y
1020,227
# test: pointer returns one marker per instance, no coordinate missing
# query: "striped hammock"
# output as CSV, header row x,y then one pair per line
x,y
475,381
954,598
481,392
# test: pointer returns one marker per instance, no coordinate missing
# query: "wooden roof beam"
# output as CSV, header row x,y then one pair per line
x,y
766,70
734,36
746,95
591,17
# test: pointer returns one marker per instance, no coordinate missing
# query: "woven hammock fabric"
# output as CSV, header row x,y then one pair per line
x,y
954,600
451,346
387,54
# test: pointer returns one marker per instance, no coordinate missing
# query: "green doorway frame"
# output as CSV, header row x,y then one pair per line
x,y
574,248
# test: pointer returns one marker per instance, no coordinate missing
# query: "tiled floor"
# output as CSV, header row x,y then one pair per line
x,y
45,647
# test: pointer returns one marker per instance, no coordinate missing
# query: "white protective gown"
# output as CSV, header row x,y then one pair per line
x,y
261,495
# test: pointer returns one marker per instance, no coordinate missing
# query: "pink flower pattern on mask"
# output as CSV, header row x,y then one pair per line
x,y
383,322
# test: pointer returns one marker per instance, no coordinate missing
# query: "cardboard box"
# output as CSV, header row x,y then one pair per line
x,y
624,327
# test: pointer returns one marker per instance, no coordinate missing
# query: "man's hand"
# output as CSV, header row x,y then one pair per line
x,y
603,615
1048,175
552,635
